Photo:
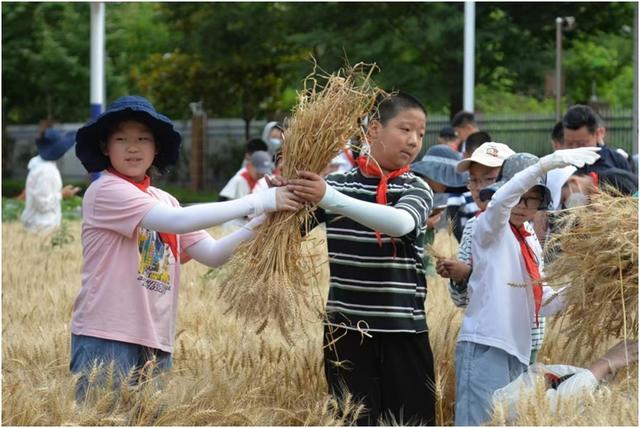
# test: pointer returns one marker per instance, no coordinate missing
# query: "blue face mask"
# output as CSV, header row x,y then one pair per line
x,y
275,144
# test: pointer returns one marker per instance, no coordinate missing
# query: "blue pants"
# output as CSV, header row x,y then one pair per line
x,y
87,351
481,370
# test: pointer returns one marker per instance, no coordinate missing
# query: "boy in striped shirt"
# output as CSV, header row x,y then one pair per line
x,y
376,340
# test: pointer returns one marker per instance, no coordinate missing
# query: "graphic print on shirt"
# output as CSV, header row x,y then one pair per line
x,y
156,259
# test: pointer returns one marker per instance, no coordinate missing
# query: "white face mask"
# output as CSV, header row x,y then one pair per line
x,y
275,144
575,200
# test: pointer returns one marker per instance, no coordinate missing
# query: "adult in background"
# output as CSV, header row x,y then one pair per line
x,y
44,191
449,137
464,123
273,135
582,127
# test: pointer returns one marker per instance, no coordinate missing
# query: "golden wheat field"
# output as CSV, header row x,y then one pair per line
x,y
223,373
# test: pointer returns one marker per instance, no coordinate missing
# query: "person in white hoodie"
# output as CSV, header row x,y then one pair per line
x,y
43,190
273,135
505,290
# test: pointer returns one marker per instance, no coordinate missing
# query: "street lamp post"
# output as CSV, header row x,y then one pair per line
x,y
566,23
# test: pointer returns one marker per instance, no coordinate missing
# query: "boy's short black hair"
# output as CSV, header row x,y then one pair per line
x,y
462,118
387,106
580,115
256,145
475,140
557,133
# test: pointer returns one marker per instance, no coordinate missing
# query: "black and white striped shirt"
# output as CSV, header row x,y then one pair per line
x,y
373,287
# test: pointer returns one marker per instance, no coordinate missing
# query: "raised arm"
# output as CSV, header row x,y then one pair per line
x,y
497,214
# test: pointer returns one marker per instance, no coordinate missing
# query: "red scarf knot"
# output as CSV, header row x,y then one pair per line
x,y
374,170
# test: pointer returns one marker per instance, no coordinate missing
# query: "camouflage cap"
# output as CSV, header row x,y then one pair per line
x,y
511,166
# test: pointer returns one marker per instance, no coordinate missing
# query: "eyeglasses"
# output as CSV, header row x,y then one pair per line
x,y
480,184
531,203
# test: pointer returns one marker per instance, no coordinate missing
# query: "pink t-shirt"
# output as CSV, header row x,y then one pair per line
x,y
130,278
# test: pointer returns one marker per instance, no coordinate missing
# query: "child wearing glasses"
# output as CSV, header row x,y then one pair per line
x,y
505,290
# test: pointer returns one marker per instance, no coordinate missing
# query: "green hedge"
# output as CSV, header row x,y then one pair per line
x,y
12,187
12,208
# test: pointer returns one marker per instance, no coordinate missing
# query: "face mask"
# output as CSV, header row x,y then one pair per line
x,y
576,200
275,144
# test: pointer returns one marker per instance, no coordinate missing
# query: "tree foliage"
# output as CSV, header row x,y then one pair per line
x,y
248,59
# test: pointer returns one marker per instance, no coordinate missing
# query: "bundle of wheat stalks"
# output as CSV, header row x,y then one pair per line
x,y
597,260
267,279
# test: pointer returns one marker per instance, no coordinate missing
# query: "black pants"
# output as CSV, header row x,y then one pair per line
x,y
391,373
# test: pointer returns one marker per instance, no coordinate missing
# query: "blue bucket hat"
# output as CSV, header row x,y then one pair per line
x,y
129,107
511,166
54,143
439,165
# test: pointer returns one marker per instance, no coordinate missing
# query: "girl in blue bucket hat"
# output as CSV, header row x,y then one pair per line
x,y
43,188
134,238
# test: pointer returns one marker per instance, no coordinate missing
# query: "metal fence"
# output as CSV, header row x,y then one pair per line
x,y
532,132
224,144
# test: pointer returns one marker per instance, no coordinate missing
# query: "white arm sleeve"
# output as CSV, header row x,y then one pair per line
x,y
168,219
214,253
491,223
388,220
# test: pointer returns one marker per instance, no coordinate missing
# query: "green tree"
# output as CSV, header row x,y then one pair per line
x,y
44,56
240,53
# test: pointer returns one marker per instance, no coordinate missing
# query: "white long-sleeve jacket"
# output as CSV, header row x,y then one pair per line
x,y
500,312
43,194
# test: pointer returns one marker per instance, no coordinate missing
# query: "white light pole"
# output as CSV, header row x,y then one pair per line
x,y
634,139
97,59
469,54
562,24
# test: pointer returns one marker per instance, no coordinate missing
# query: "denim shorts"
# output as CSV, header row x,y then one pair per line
x,y
86,351
481,370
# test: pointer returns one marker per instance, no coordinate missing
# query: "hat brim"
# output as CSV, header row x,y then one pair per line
x,y
53,145
88,138
443,173
490,161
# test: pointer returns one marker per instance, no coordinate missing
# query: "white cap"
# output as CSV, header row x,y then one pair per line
x,y
488,154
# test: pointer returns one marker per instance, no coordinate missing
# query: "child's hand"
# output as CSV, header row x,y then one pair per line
x,y
309,186
433,220
69,191
454,269
287,201
275,181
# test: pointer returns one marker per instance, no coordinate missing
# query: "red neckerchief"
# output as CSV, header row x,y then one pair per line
x,y
249,179
372,169
532,266
347,153
167,238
